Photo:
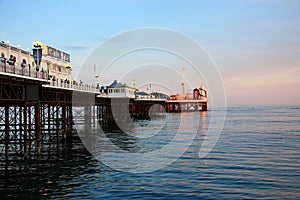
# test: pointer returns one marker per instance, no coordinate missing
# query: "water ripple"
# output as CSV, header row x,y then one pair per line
x,y
257,156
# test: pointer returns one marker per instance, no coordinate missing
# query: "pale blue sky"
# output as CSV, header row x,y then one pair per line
x,y
255,44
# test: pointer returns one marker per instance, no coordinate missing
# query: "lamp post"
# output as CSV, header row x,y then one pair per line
x,y
28,59
68,68
37,55
96,78
97,81
8,46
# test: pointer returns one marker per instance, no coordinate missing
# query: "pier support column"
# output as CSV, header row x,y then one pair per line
x,y
25,131
49,118
6,131
87,116
94,114
21,127
64,121
69,120
37,126
204,107
57,123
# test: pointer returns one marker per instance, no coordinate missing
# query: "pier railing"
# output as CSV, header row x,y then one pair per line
x,y
43,75
73,85
23,71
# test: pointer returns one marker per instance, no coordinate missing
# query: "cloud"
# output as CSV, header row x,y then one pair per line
x,y
279,77
76,48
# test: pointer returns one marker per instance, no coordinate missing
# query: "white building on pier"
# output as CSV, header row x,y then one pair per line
x,y
54,63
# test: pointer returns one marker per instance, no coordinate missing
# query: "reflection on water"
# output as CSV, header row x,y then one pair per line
x,y
47,176
132,153
257,156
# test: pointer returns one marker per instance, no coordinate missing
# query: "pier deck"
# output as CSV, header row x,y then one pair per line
x,y
36,111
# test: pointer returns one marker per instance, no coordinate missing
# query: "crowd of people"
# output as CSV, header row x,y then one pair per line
x,y
10,65
11,61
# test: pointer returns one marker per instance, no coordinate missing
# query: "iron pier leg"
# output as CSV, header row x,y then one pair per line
x,y
21,127
64,121
25,131
57,124
38,126
6,131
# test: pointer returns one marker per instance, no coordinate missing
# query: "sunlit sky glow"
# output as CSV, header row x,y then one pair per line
x,y
255,43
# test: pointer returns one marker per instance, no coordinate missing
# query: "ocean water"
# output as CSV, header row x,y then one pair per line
x,y
257,156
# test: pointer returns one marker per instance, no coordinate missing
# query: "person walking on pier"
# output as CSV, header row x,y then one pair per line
x,y
23,65
3,61
11,62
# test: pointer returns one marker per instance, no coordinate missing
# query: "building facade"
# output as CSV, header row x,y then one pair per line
x,y
55,63
119,90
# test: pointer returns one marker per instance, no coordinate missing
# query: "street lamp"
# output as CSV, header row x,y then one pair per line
x,y
37,54
68,68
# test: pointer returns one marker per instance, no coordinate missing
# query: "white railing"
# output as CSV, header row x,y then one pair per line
x,y
73,85
43,75
26,71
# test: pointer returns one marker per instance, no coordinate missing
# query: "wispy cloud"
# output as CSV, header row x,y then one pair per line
x,y
76,48
280,77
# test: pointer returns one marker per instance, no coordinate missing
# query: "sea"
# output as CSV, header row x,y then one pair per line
x,y
255,156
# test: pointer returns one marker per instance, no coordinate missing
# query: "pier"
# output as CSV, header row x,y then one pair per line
x,y
37,107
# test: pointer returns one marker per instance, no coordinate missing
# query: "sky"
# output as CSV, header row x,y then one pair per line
x,y
254,44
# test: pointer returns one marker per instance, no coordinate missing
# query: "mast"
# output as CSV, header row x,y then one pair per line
x,y
182,82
